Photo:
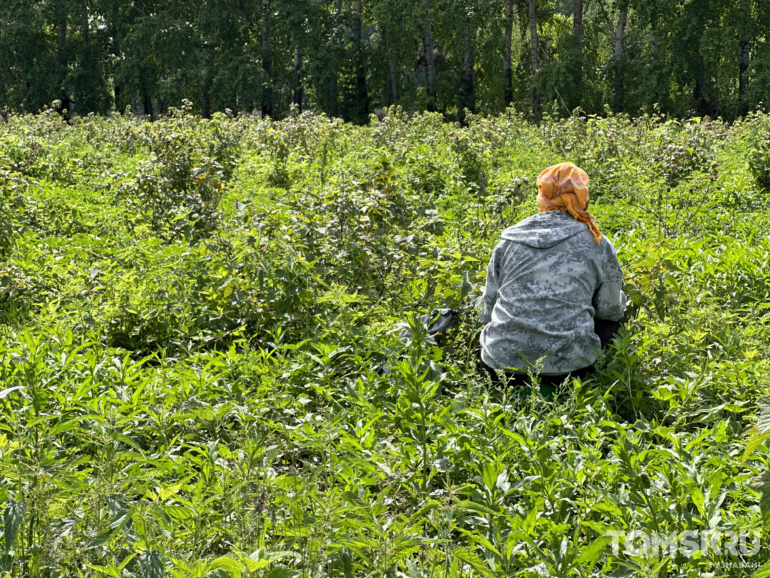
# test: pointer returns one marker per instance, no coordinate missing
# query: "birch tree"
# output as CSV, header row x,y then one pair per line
x,y
533,47
430,57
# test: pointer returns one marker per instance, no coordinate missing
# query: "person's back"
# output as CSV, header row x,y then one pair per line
x,y
549,279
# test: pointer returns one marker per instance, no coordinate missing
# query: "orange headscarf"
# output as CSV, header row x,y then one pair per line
x,y
564,187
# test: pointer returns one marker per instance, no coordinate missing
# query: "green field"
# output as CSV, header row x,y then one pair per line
x,y
195,316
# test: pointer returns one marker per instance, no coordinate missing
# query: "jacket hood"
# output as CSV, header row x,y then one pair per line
x,y
544,230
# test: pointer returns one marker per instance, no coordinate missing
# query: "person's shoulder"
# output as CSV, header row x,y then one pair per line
x,y
553,218
606,243
606,248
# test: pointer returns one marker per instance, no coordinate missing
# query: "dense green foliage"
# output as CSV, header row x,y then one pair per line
x,y
348,58
196,314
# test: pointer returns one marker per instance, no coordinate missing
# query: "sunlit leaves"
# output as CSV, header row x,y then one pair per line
x,y
13,517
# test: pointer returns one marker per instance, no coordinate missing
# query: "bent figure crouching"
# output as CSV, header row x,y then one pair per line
x,y
554,287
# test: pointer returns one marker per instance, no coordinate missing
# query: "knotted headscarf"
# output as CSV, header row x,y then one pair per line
x,y
564,187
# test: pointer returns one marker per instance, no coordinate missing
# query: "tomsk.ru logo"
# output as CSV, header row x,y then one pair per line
x,y
640,543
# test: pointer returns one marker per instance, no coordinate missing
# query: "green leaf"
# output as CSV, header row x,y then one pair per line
x,y
697,441
624,572
262,558
108,570
480,540
762,484
756,440
271,555
179,512
468,506
763,423
282,573
591,553
414,571
763,571
473,560
13,516
227,564
429,506
489,475
10,390
761,432
699,500
126,560
100,539
254,565
151,564
221,573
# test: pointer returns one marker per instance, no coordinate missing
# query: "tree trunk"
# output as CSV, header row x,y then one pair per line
x,y
620,32
469,96
85,26
174,18
62,36
117,97
148,112
210,47
334,96
206,104
577,26
267,62
430,58
357,24
533,54
394,94
507,60
299,92
744,45
249,99
392,65
577,35
116,49
362,97
66,103
116,52
697,93
335,92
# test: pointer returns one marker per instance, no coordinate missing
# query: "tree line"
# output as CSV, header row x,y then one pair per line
x,y
348,58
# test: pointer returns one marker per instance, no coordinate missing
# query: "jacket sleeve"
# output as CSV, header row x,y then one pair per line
x,y
609,299
489,298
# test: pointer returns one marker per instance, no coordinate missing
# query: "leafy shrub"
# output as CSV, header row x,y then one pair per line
x,y
759,161
759,150
179,188
614,148
13,194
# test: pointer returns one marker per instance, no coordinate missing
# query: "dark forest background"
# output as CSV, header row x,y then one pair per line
x,y
348,58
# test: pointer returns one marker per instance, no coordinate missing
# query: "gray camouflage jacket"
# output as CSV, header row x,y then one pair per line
x,y
547,281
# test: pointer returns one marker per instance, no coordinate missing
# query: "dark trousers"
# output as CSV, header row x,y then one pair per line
x,y
606,330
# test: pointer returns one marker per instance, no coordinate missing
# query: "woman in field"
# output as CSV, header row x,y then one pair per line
x,y
554,287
